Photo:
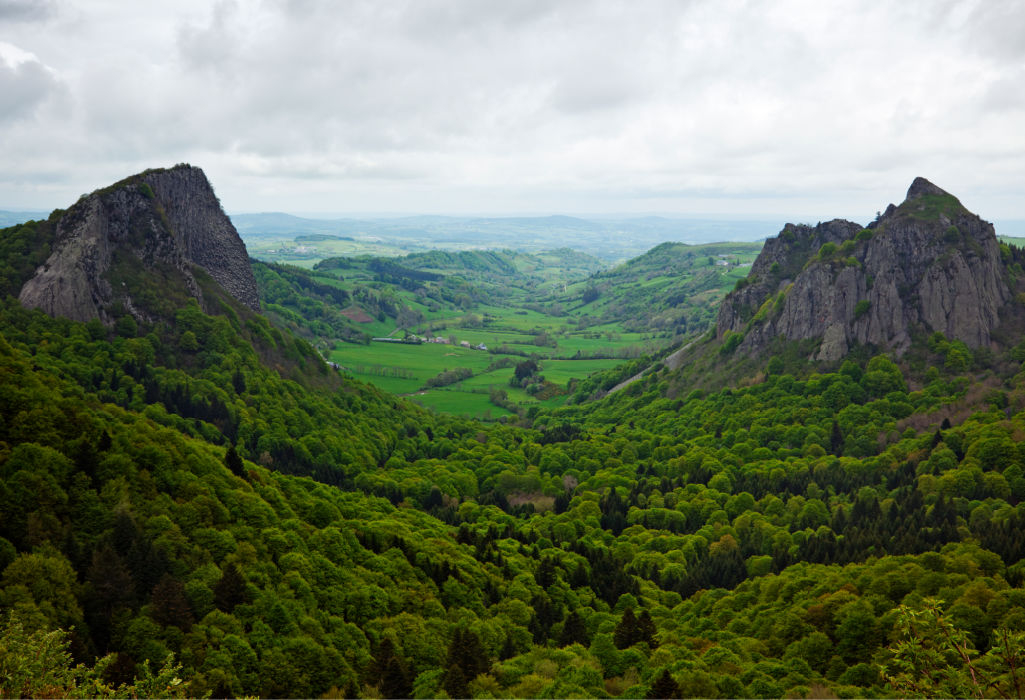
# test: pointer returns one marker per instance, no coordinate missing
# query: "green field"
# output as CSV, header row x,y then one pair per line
x,y
307,254
404,369
557,307
461,403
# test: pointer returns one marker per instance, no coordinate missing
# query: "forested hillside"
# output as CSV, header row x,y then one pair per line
x,y
204,485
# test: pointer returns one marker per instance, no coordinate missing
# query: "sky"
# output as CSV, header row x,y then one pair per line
x,y
678,107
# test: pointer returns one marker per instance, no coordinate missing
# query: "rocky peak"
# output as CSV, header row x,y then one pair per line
x,y
921,187
158,226
928,264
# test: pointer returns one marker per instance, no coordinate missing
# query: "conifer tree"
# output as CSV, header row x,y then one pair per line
x,y
234,462
455,683
230,589
625,634
395,682
646,629
573,631
169,606
664,686
836,440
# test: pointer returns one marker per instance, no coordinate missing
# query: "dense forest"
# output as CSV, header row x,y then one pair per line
x,y
199,504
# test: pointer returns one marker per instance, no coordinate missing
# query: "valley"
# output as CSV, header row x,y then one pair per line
x,y
561,309
820,496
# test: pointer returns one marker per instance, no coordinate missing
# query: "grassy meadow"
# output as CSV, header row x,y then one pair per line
x,y
559,309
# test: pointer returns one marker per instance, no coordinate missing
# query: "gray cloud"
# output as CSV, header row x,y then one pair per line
x,y
26,10
461,105
24,86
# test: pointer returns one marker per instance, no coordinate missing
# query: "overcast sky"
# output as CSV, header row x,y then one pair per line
x,y
786,108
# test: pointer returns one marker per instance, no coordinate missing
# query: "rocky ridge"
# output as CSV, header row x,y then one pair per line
x,y
928,263
168,219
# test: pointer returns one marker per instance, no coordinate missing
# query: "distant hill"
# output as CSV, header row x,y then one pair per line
x,y
673,285
10,218
612,240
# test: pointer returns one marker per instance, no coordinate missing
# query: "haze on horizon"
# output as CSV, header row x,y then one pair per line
x,y
745,109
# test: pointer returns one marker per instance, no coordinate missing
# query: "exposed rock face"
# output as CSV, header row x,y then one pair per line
x,y
161,218
928,263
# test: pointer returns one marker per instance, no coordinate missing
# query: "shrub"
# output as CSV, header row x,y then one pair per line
x,y
730,342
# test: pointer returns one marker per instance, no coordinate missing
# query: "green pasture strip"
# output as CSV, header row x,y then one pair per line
x,y
498,378
393,385
460,403
491,338
424,361
513,318
561,371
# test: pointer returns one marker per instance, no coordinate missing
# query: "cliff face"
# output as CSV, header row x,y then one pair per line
x,y
928,263
166,219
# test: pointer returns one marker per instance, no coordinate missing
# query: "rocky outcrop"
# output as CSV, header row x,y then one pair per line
x,y
928,264
167,219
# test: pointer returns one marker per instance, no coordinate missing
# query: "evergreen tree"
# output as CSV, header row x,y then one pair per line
x,y
646,629
508,649
664,686
579,577
230,589
545,573
234,462
168,604
238,381
625,634
395,682
467,653
573,631
836,440
455,683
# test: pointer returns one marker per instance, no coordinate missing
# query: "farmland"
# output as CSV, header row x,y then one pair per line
x,y
567,312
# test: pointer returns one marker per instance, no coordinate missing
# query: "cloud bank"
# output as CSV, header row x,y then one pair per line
x,y
458,106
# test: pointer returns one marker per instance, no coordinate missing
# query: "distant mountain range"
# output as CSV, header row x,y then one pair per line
x,y
10,218
609,239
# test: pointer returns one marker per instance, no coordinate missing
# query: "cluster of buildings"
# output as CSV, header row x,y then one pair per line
x,y
462,343
412,339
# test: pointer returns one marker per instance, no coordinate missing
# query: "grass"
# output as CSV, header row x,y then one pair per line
x,y
930,206
404,369
309,253
561,371
460,403
641,307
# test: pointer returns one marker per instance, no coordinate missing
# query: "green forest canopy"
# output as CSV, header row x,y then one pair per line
x,y
205,487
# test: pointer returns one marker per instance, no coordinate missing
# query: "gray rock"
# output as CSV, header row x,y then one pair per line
x,y
928,263
161,218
